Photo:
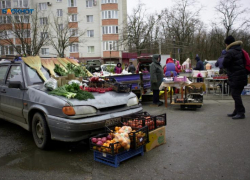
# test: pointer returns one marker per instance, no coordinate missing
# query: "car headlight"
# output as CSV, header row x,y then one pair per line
x,y
133,101
84,110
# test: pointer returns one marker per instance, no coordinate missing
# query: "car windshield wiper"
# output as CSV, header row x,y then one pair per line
x,y
37,83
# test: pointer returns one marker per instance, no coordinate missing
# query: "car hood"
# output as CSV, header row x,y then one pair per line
x,y
102,100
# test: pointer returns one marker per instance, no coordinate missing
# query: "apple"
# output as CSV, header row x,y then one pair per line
x,y
94,140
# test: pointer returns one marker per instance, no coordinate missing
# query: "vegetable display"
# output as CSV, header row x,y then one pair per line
x,y
72,91
60,71
62,91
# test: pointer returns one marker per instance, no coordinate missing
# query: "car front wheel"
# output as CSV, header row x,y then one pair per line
x,y
40,131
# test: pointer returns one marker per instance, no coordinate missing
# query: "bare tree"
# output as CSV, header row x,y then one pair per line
x,y
180,23
140,30
63,34
25,33
232,16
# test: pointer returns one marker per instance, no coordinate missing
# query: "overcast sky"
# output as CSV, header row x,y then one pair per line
x,y
207,14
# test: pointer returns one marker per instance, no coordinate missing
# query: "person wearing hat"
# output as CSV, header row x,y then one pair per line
x,y
156,77
237,75
199,67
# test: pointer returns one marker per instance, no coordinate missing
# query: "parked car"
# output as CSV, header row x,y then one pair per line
x,y
93,66
25,102
107,69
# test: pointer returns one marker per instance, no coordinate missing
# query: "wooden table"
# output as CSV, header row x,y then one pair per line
x,y
214,80
172,84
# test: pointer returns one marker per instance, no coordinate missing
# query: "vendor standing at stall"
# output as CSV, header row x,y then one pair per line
x,y
170,69
199,67
156,77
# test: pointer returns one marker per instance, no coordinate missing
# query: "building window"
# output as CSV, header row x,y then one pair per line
x,y
109,1
72,3
89,3
110,30
59,12
44,21
74,48
5,19
42,6
18,49
5,4
22,19
90,18
23,33
45,51
21,3
90,33
73,32
60,26
58,0
110,46
44,35
73,18
9,50
6,34
110,14
91,49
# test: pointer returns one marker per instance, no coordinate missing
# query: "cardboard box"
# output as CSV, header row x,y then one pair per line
x,y
156,138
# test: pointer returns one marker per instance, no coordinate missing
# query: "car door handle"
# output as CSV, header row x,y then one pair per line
x,y
3,91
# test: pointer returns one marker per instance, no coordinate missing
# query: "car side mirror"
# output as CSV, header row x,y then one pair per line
x,y
15,84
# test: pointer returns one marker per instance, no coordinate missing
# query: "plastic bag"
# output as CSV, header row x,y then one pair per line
x,y
122,136
50,84
74,81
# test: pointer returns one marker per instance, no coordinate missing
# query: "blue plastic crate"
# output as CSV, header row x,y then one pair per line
x,y
115,160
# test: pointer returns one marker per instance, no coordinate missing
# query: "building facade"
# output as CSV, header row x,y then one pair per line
x,y
100,22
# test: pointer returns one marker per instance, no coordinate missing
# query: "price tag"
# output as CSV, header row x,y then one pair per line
x,y
104,154
141,139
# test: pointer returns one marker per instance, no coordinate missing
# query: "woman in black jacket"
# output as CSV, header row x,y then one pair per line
x,y
237,75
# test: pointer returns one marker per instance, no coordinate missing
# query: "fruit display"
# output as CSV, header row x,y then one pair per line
x,y
114,142
138,136
139,120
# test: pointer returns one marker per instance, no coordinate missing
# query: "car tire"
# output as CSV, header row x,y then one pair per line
x,y
40,131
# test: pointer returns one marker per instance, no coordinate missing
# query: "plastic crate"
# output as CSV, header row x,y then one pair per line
x,y
138,137
115,160
161,120
112,149
118,87
142,119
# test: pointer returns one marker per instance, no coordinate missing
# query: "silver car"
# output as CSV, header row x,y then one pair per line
x,y
25,102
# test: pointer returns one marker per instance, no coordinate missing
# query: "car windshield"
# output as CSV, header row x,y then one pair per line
x,y
108,67
33,77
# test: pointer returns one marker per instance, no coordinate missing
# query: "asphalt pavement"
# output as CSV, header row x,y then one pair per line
x,y
201,144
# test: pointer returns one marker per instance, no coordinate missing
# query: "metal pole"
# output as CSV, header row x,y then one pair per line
x,y
110,58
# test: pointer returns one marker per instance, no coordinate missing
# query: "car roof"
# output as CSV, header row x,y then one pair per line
x,y
11,62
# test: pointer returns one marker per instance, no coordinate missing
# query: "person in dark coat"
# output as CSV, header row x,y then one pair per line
x,y
222,70
237,75
219,62
156,77
131,68
199,67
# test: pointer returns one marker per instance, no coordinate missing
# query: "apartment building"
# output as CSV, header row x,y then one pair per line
x,y
101,22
